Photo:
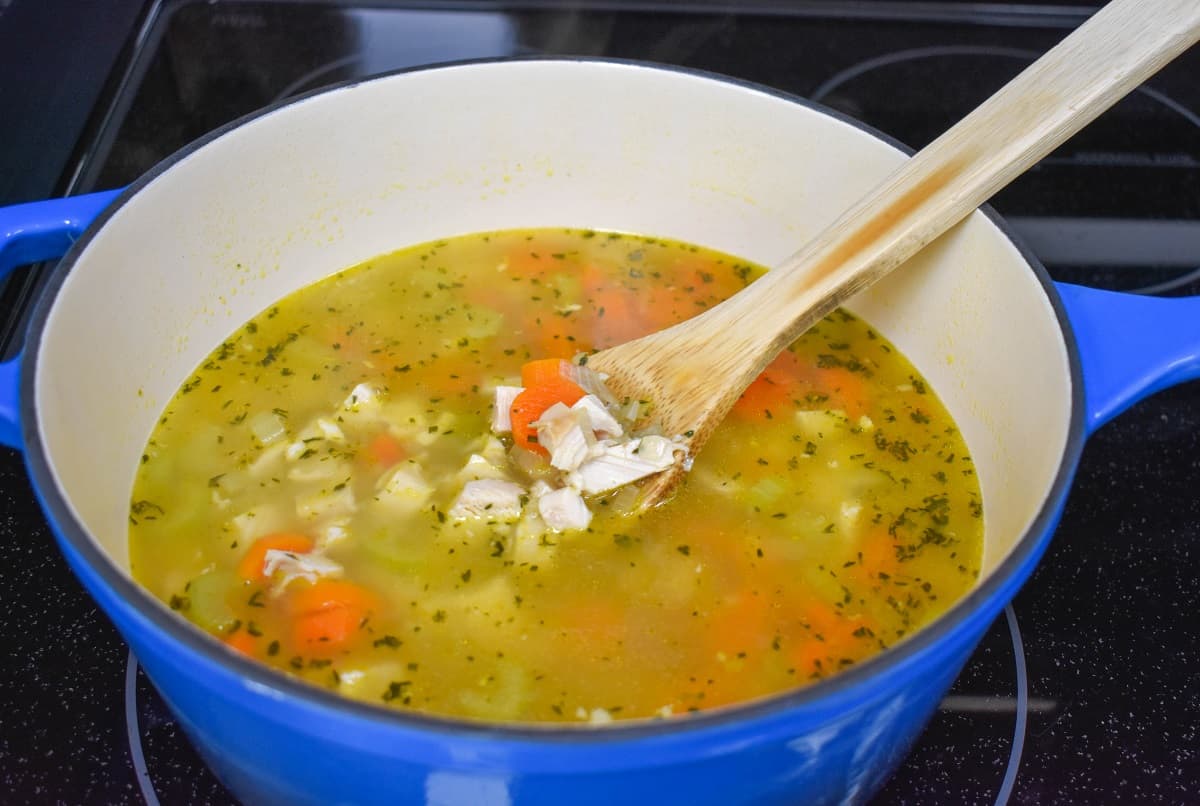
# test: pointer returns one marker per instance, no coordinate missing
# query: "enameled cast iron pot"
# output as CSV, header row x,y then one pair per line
x,y
216,233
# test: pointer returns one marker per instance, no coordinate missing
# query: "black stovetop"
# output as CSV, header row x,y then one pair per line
x,y
1087,690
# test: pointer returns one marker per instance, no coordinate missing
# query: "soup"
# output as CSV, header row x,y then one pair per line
x,y
302,496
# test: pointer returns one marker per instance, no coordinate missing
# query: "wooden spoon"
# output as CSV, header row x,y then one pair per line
x,y
693,372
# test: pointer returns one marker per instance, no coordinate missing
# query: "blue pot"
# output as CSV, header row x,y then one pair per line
x,y
156,274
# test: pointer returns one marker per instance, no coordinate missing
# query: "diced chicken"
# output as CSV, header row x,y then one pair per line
x,y
404,489
494,451
614,465
567,435
266,462
256,522
603,423
432,432
332,503
311,566
502,407
477,467
320,469
564,510
363,397
592,382
317,431
492,499
219,501
530,544
851,509
597,716
331,533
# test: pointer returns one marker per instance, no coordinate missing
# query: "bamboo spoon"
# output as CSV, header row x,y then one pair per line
x,y
694,371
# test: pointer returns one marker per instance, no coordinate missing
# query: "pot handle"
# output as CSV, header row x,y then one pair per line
x,y
31,233
1130,346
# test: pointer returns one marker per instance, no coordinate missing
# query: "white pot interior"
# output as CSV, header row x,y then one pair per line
x,y
325,183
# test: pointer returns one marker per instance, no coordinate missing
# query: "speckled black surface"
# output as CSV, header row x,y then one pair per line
x,y
1107,622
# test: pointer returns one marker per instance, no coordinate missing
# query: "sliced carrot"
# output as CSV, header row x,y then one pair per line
x,y
544,371
616,314
250,567
742,625
595,622
829,638
846,390
528,406
878,549
772,393
385,450
530,260
242,641
558,337
329,615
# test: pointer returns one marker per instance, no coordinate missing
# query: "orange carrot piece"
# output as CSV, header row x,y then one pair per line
x,y
878,549
772,392
742,625
615,313
596,622
385,450
329,614
810,654
250,567
241,641
846,390
528,406
544,371
558,337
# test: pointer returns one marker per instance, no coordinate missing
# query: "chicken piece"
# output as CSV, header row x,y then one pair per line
x,y
567,435
492,499
363,397
311,566
615,464
317,431
256,522
564,509
333,503
501,419
404,489
477,467
603,423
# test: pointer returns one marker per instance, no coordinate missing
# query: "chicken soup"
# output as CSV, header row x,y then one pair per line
x,y
403,484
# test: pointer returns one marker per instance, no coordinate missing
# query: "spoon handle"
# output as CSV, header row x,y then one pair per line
x,y
1101,61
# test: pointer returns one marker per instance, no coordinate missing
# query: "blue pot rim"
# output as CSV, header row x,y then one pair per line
x,y
992,594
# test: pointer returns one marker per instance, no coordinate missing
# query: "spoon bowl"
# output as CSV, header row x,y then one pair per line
x,y
693,372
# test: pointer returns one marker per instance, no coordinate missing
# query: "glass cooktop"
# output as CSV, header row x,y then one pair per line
x,y
1084,691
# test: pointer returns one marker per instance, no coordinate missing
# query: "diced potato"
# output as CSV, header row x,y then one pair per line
x,y
331,503
267,427
404,489
320,468
819,423
256,522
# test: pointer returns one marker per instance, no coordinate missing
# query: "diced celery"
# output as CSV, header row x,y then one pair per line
x,y
395,552
500,695
209,596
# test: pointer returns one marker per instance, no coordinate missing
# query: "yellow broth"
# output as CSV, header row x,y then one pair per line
x,y
834,513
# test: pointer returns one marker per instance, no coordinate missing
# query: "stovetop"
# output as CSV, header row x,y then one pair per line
x,y
1086,690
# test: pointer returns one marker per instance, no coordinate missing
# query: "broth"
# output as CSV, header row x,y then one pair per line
x,y
834,512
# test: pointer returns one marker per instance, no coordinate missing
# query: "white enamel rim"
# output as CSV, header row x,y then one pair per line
x,y
155,616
